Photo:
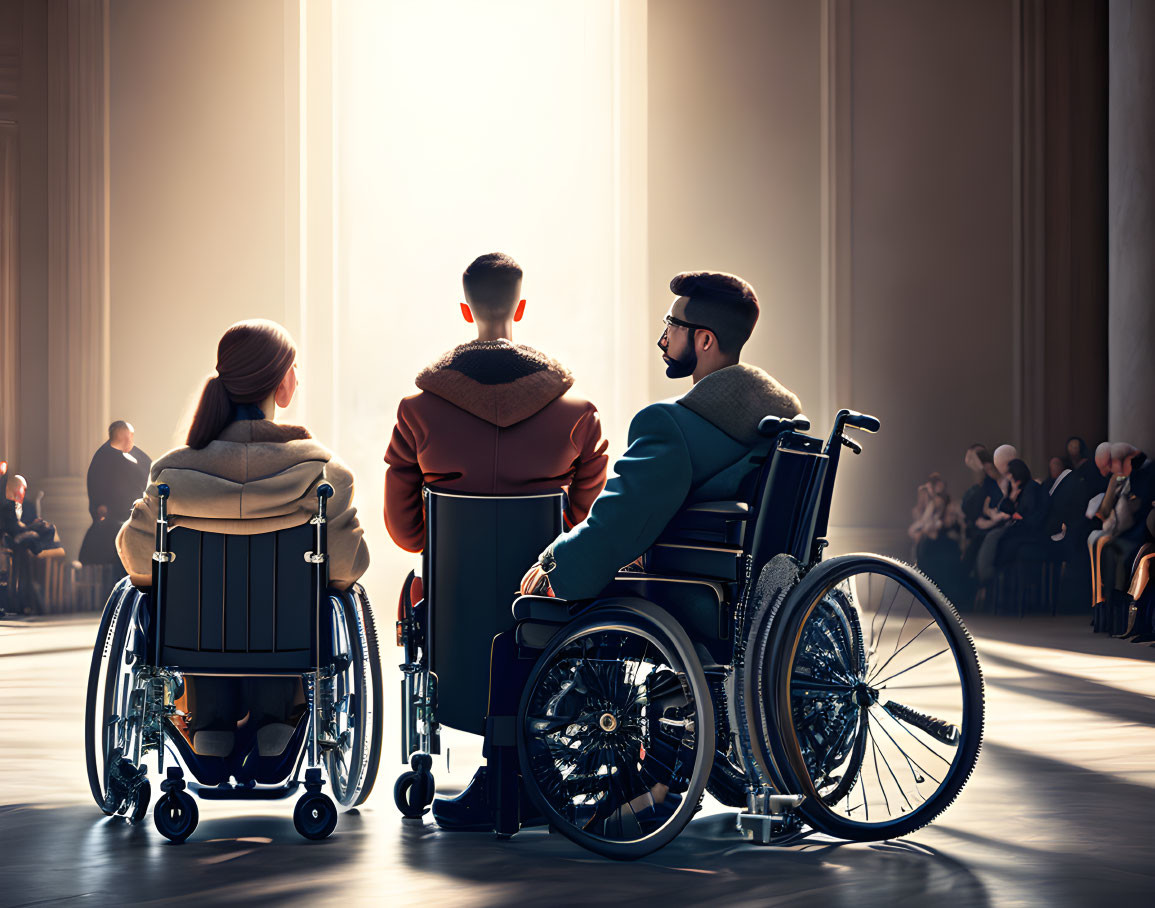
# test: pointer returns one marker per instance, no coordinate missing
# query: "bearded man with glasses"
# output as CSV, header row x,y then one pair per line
x,y
695,447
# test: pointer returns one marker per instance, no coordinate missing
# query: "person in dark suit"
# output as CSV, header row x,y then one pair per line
x,y
1094,479
1028,506
117,476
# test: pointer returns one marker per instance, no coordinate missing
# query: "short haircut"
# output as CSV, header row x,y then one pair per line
x,y
724,303
492,285
117,427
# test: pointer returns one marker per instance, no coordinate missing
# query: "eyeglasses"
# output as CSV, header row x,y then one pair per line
x,y
671,322
678,323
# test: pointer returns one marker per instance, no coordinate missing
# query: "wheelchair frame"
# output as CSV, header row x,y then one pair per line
x,y
784,539
144,712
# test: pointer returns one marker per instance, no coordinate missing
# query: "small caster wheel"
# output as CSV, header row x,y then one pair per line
x,y
315,815
176,816
414,790
140,804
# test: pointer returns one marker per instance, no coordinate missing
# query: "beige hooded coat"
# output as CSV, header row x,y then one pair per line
x,y
257,477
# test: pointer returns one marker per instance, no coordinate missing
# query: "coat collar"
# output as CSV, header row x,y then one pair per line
x,y
498,381
248,431
736,398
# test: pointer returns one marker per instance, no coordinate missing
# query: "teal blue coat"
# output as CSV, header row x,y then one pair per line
x,y
699,447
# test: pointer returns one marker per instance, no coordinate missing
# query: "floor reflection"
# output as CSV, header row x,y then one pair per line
x,y
1057,813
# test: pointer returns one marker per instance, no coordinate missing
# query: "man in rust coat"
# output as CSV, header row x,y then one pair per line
x,y
492,417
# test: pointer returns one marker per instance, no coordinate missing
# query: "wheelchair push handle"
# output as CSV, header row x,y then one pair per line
x,y
773,426
857,420
324,493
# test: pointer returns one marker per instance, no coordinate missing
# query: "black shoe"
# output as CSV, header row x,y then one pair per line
x,y
469,811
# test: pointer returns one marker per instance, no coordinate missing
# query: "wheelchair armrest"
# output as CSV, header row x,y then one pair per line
x,y
543,608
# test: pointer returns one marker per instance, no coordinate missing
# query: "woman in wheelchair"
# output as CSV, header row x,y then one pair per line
x,y
245,660
243,473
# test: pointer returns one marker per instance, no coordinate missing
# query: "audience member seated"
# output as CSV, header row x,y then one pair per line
x,y
241,473
1027,506
1094,480
1124,530
994,521
1141,592
1068,494
27,535
938,536
117,476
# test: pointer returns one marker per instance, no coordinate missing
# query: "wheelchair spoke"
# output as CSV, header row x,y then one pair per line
x,y
879,684
880,668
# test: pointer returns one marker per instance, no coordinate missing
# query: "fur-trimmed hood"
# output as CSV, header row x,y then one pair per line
x,y
498,381
736,398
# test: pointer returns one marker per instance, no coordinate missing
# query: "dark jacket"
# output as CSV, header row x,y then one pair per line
x,y
1030,509
694,448
492,418
116,480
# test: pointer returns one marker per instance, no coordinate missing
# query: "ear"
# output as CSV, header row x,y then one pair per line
x,y
283,396
707,340
466,313
519,311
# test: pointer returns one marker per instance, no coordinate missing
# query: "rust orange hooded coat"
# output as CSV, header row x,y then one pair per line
x,y
492,418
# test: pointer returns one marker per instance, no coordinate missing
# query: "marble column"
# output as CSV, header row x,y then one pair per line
x,y
78,299
1131,243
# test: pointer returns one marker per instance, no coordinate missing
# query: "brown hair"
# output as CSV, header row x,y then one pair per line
x,y
252,358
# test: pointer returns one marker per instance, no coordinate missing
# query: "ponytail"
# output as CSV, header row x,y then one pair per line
x,y
252,359
213,413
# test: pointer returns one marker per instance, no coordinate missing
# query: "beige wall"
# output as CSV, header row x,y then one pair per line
x,y
734,182
920,98
200,236
931,244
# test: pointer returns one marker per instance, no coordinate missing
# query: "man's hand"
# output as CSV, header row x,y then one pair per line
x,y
536,582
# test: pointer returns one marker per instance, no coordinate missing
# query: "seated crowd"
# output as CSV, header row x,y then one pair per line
x,y
1083,535
116,477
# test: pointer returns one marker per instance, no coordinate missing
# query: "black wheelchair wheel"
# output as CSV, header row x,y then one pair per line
x,y
414,790
354,723
176,816
871,697
616,731
315,816
112,714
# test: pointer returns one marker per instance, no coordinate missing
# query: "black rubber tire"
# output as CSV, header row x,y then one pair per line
x,y
413,793
658,626
110,639
315,816
176,816
772,653
367,655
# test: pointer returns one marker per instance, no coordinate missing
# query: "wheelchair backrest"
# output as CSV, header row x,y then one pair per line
x,y
242,604
477,547
791,502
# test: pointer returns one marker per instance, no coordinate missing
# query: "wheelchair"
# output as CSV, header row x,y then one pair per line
x,y
840,696
227,612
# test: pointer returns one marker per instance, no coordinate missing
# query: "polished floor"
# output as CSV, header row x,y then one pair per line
x,y
1060,811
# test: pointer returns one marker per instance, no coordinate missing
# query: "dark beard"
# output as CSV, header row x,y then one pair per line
x,y
680,368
